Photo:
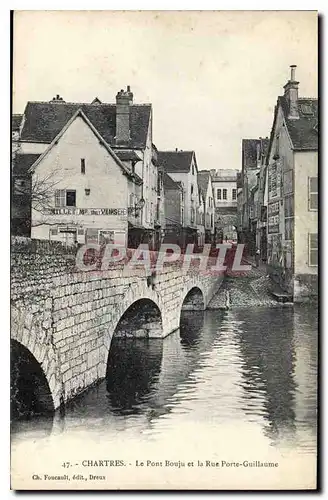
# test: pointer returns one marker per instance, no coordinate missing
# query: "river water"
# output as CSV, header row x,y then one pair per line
x,y
228,386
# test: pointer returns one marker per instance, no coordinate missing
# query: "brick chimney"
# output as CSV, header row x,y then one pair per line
x,y
291,94
124,99
57,98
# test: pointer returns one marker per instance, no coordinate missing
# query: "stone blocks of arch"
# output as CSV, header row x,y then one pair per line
x,y
67,320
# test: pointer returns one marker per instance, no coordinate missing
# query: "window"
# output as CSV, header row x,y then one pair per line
x,y
65,198
313,193
218,194
70,198
192,215
313,249
105,237
306,109
276,154
192,189
224,194
234,194
60,197
289,218
82,166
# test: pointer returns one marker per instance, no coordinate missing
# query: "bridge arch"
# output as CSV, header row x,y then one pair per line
x,y
30,391
28,333
193,298
139,294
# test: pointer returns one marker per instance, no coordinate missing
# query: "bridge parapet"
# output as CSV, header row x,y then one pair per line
x,y
67,318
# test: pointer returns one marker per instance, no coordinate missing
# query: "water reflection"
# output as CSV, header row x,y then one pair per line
x,y
266,343
255,366
132,373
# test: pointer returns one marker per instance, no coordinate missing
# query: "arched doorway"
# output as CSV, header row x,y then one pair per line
x,y
30,392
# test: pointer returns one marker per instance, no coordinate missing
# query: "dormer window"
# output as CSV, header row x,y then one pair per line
x,y
307,109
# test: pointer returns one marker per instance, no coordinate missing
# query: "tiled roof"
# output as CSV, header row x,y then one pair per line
x,y
127,155
44,121
16,121
22,162
302,131
175,161
202,178
169,183
224,174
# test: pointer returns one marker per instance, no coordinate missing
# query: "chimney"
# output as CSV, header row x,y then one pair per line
x,y
57,98
291,94
123,101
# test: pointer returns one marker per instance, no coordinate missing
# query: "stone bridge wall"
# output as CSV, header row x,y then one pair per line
x,y
67,319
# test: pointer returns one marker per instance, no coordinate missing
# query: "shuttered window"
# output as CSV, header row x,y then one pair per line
x,y
313,249
313,193
65,198
60,197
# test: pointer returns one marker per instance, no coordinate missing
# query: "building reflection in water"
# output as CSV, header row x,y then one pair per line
x,y
271,342
306,372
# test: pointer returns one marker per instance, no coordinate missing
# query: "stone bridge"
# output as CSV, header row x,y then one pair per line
x,y
63,320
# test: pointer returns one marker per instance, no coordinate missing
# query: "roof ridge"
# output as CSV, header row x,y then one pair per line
x,y
174,151
84,103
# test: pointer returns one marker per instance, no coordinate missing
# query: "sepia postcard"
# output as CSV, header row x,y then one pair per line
x,y
164,250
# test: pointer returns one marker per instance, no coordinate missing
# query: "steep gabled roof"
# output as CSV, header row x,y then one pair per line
x,y
81,114
16,122
203,178
44,121
302,130
175,161
170,184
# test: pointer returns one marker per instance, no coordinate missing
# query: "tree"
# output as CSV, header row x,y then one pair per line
x,y
31,192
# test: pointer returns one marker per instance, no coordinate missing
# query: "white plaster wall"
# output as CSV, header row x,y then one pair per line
x,y
306,221
229,186
108,186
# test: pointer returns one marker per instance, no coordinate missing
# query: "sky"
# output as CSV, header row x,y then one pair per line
x,y
213,77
